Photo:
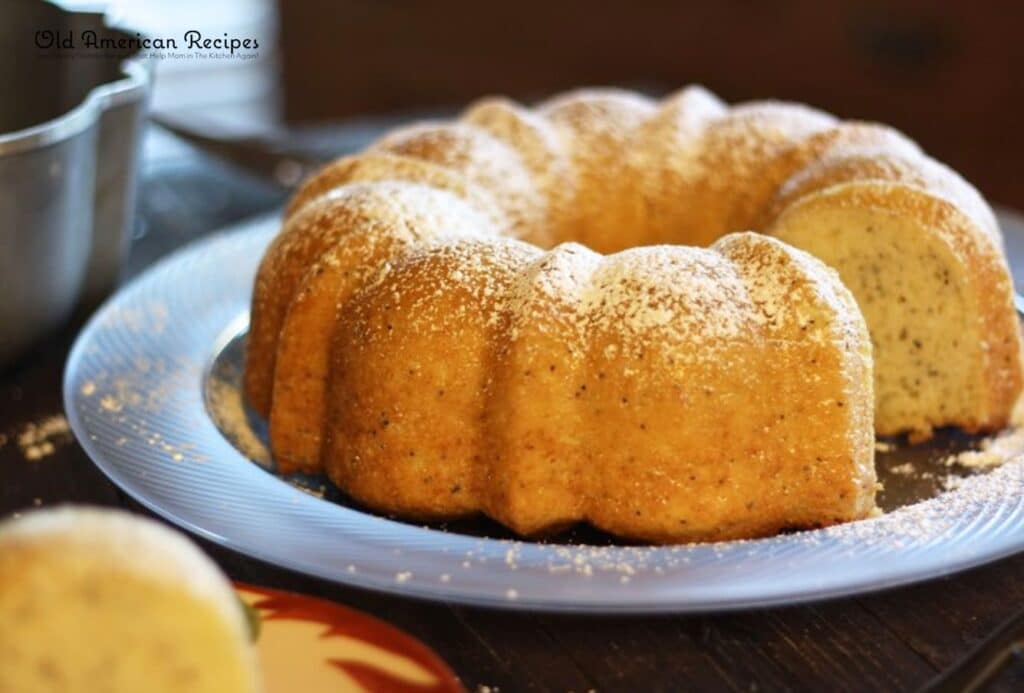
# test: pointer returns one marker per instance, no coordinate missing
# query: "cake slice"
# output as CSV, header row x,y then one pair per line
x,y
936,294
100,600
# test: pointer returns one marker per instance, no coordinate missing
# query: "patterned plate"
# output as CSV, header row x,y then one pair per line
x,y
316,646
151,392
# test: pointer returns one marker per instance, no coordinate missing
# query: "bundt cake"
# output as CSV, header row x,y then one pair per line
x,y
101,600
506,314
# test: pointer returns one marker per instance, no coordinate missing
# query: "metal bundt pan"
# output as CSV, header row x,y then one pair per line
x,y
71,122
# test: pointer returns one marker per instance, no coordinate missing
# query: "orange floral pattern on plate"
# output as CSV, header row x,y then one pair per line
x,y
312,645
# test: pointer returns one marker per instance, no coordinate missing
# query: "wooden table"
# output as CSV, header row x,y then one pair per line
x,y
892,641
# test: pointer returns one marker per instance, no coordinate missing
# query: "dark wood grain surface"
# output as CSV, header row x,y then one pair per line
x,y
895,641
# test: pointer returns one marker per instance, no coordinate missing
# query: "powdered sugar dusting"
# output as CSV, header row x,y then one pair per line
x,y
683,293
545,174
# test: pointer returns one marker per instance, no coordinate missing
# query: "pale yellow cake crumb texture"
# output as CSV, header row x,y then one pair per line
x,y
101,600
559,314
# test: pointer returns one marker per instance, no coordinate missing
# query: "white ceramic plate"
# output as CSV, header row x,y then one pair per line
x,y
151,392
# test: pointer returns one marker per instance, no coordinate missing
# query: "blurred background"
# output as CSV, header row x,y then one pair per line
x,y
946,73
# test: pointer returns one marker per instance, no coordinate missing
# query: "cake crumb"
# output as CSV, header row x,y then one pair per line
x,y
994,451
952,482
40,439
905,469
111,403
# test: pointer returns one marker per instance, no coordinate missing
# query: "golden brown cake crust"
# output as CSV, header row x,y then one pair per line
x,y
303,347
622,435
